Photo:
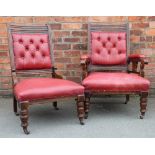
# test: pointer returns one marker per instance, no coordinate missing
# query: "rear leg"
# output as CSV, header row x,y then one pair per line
x,y
55,105
15,106
143,104
127,99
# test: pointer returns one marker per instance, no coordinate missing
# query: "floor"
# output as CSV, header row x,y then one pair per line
x,y
108,117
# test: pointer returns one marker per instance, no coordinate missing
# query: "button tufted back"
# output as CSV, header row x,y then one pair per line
x,y
31,51
108,48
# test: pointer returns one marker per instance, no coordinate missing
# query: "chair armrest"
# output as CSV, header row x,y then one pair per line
x,y
136,59
84,61
55,75
85,58
14,77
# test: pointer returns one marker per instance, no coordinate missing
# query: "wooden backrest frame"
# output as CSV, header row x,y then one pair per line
x,y
29,29
112,27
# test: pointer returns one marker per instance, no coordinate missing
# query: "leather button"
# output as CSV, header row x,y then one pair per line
x,y
27,48
42,41
103,44
98,38
31,41
119,38
109,38
98,51
22,55
109,52
20,41
32,55
114,45
37,48
119,52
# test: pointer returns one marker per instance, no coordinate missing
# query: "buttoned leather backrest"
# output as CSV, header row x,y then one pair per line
x,y
108,48
31,51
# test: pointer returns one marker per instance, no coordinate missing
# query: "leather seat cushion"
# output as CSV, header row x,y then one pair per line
x,y
46,88
116,81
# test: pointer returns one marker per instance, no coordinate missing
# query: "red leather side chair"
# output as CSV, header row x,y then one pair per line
x,y
33,72
105,67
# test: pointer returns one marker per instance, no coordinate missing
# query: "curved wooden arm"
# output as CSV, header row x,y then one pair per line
x,y
135,59
14,77
54,74
57,76
85,58
84,61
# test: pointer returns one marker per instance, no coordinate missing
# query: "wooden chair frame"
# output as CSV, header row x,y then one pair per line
x,y
16,74
137,62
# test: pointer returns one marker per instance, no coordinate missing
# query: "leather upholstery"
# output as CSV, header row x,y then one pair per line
x,y
46,88
31,51
108,48
136,56
115,82
85,57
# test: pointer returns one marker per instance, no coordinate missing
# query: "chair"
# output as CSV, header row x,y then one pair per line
x,y
33,72
106,66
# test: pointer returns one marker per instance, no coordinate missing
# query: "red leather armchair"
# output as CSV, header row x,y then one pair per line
x,y
105,67
33,72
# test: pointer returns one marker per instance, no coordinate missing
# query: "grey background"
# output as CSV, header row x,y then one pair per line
x,y
108,117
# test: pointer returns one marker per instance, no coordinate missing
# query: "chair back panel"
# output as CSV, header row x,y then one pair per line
x,y
30,47
108,46
31,51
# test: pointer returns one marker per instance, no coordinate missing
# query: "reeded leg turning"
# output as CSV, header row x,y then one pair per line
x,y
15,106
127,99
143,104
24,116
55,105
86,104
80,108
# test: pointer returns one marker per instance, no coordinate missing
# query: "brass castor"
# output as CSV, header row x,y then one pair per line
x,y
17,113
26,131
142,115
81,122
56,108
86,115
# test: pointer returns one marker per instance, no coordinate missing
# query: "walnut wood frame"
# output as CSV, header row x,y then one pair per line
x,y
138,61
24,105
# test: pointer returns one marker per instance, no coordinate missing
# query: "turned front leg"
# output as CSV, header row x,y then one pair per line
x,y
80,108
24,115
86,104
143,104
